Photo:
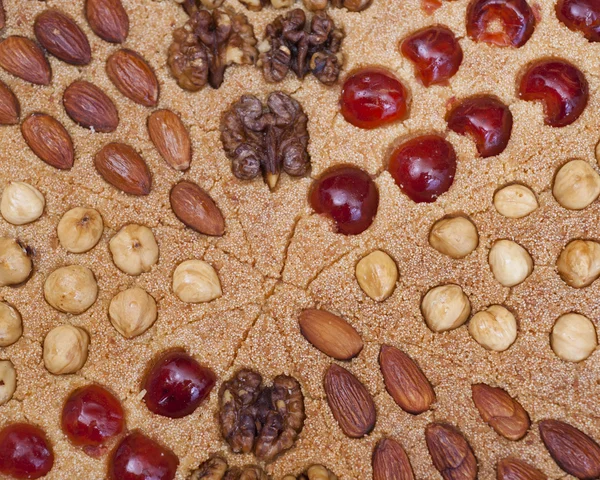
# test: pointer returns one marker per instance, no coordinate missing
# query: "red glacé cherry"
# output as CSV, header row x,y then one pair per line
x,y
372,97
560,85
423,167
138,457
514,16
24,451
581,16
486,120
176,384
349,196
435,53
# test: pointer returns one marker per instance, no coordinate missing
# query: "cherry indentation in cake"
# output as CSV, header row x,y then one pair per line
x,y
138,457
581,16
423,167
486,120
24,451
435,53
372,97
561,86
177,384
349,196
504,23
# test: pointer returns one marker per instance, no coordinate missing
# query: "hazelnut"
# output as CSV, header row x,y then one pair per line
x,y
445,307
494,328
132,312
573,337
454,236
196,281
71,289
515,201
80,229
282,3
15,263
579,263
510,262
11,325
8,381
65,349
134,249
21,203
576,185
315,4
210,4
377,275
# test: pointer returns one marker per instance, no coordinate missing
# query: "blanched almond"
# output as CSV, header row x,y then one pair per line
x,y
195,208
122,167
108,19
90,107
390,461
60,35
330,334
450,452
49,140
9,106
171,139
133,77
24,59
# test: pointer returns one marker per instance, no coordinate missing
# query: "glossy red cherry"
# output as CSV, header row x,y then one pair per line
x,y
372,97
486,120
560,85
435,52
24,451
423,167
581,16
138,457
176,384
503,23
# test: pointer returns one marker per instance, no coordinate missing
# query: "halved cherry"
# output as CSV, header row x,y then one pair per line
x,y
24,451
486,120
503,23
561,86
435,52
581,16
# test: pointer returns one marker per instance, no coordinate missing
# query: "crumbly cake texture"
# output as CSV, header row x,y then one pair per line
x,y
277,257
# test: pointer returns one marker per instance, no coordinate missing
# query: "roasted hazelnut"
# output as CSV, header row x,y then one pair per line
x,y
8,381
11,325
80,229
579,263
15,263
196,281
573,337
377,275
515,201
315,4
65,349
445,307
134,249
494,328
510,262
282,3
21,203
132,312
576,185
454,236
71,289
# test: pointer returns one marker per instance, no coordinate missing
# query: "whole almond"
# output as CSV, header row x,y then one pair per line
x,y
451,454
90,107
574,451
133,77
502,412
330,334
122,167
2,15
194,207
171,139
350,402
513,469
390,461
49,140
60,35
108,19
24,59
9,106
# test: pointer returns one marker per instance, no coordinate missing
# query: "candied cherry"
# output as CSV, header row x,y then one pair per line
x,y
435,52
486,120
24,451
177,384
423,167
372,97
561,86
503,23
349,196
138,457
581,16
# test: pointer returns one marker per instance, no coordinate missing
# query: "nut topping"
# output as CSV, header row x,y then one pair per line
x,y
350,5
132,312
510,263
8,381
24,59
62,37
451,454
576,185
65,349
445,307
196,281
90,107
216,468
377,275
21,203
513,469
579,263
72,289
80,229
515,201
124,168
196,209
573,337
49,140
133,77
15,262
9,106
134,249
454,236
171,139
494,328
314,472
108,19
11,324
390,461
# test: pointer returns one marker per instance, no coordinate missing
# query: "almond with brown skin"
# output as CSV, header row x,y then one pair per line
x,y
62,37
122,167
90,107
405,381
9,106
49,140
24,59
574,451
133,77
350,402
2,16
171,139
450,452
502,412
195,208
330,334
108,19
390,461
513,469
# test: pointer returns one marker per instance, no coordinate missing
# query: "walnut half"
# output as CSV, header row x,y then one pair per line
x,y
216,468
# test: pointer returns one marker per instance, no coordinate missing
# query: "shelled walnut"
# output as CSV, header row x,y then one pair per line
x,y
351,5
314,472
216,468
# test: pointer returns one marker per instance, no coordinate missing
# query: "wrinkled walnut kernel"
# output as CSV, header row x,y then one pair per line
x,y
216,468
